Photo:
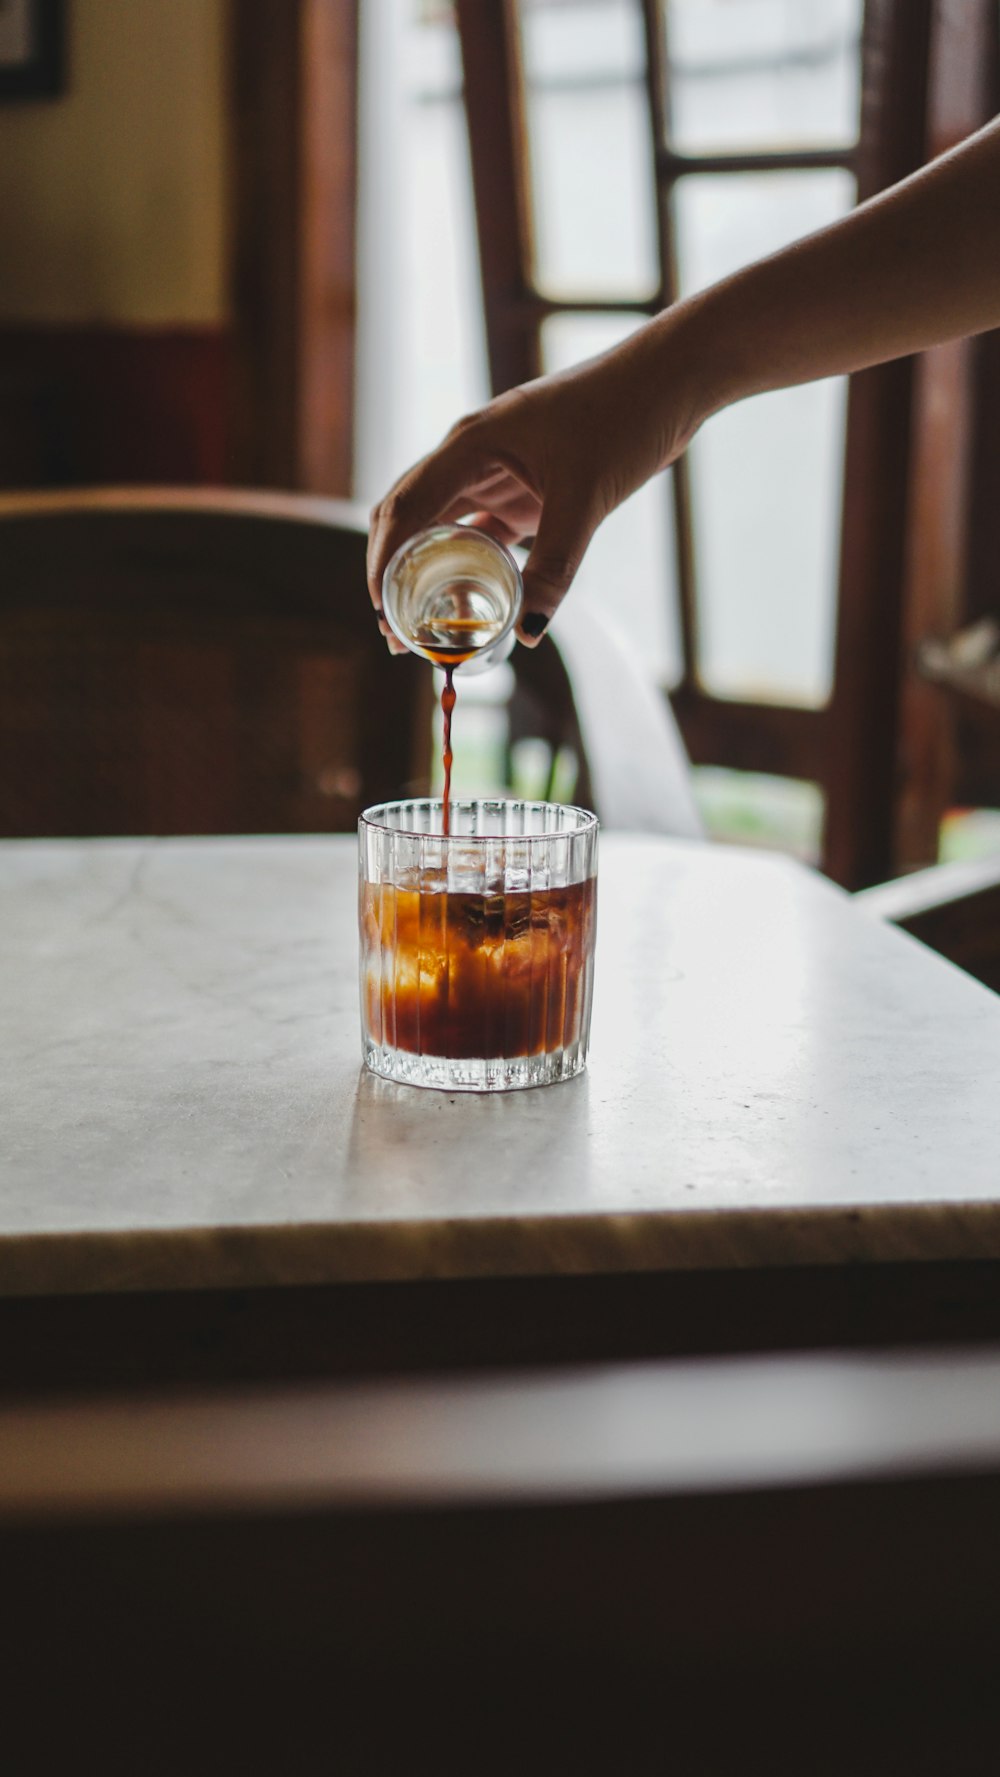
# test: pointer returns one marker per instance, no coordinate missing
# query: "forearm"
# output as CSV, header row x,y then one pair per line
x,y
917,265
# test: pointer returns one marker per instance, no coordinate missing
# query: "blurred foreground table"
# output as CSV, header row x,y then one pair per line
x,y
789,1133
608,1550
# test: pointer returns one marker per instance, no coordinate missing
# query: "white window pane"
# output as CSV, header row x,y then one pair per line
x,y
766,475
725,220
421,358
589,149
765,491
629,572
579,40
763,74
443,363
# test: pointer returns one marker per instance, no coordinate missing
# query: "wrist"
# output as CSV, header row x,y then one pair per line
x,y
687,361
709,346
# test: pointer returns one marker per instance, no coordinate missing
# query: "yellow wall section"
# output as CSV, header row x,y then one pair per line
x,y
113,198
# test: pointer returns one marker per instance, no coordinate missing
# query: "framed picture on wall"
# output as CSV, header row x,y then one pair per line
x,y
32,35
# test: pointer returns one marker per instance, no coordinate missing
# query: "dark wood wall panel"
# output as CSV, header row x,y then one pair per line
x,y
83,405
293,94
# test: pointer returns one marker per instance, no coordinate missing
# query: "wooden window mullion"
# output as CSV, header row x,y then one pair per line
x,y
673,165
860,777
493,89
657,87
960,100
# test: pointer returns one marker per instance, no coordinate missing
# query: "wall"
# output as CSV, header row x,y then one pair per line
x,y
113,252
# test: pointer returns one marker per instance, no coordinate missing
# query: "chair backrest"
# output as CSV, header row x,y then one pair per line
x,y
186,661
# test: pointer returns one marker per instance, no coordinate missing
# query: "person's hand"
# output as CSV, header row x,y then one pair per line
x,y
541,465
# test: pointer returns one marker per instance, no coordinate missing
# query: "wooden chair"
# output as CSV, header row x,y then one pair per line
x,y
182,661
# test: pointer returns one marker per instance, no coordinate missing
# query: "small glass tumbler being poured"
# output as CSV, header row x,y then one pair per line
x,y
453,594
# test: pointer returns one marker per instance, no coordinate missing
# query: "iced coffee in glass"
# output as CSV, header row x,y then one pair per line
x,y
477,946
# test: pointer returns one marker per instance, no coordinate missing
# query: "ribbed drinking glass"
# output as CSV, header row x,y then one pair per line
x,y
477,950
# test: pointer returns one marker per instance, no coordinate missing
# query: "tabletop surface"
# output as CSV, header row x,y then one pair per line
x,y
775,1079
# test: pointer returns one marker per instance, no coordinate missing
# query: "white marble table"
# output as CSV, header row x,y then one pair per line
x,y
775,1081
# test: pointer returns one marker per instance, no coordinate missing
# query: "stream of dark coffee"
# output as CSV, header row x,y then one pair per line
x,y
448,659
447,709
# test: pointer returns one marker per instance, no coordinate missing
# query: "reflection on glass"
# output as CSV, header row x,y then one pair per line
x,y
765,475
589,149
629,571
764,74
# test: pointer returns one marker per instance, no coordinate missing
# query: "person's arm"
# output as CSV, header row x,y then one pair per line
x,y
915,266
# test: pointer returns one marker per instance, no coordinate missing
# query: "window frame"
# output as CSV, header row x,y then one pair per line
x,y
915,56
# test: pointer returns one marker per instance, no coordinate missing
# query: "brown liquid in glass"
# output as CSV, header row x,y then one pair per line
x,y
488,975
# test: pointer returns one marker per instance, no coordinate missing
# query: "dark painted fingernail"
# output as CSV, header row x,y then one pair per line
x,y
535,624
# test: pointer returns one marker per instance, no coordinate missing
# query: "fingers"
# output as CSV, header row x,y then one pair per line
x,y
565,528
434,486
473,476
392,642
497,527
465,507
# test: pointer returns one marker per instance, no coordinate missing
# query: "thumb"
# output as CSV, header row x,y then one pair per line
x,y
564,531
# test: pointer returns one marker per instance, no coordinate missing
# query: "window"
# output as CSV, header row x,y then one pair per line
x,y
667,140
